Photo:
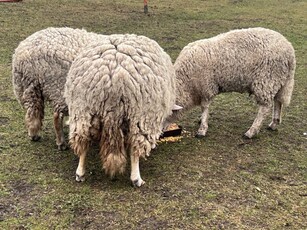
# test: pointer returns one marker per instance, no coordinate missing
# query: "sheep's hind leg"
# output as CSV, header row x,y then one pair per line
x,y
135,176
254,129
58,127
204,120
80,172
276,117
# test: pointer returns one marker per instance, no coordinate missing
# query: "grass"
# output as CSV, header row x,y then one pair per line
x,y
220,182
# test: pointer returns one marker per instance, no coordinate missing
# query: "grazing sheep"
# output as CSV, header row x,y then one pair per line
x,y
258,61
40,66
119,93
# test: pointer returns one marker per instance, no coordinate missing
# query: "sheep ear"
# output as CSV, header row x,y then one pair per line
x,y
177,107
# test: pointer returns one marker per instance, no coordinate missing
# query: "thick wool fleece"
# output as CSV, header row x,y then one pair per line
x,y
40,66
255,60
119,92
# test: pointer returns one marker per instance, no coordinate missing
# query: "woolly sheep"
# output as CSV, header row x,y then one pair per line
x,y
119,93
255,60
39,69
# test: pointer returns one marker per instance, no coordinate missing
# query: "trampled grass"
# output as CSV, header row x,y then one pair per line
x,y
219,182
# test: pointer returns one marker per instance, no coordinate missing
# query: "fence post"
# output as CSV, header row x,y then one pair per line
x,y
145,7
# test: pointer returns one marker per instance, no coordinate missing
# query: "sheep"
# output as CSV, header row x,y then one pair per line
x,y
119,93
39,68
258,61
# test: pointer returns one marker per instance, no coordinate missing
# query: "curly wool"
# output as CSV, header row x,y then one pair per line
x,y
119,91
39,69
256,60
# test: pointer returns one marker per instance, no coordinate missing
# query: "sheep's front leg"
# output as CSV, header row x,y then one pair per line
x,y
276,117
204,119
254,129
59,133
80,172
135,176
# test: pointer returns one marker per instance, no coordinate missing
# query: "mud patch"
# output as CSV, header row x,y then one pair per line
x,y
153,223
4,120
21,188
5,209
18,203
88,218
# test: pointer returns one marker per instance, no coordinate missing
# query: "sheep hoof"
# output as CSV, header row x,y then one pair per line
x,y
62,147
137,183
272,128
80,178
199,136
247,136
35,138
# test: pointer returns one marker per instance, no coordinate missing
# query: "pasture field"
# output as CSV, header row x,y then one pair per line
x,y
220,182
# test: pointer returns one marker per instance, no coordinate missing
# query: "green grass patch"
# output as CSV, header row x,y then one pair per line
x,y
219,182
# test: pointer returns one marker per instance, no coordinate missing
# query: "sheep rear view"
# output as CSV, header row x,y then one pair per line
x,y
119,93
39,68
255,60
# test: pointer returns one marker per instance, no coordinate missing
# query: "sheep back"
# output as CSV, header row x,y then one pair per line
x,y
120,91
255,60
41,62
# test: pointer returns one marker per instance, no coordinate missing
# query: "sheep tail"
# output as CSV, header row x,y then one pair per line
x,y
112,150
285,93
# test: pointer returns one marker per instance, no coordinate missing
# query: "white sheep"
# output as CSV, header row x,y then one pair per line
x,y
119,93
39,69
258,61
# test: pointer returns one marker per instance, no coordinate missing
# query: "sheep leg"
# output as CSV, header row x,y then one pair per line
x,y
204,119
254,129
59,133
80,172
80,145
276,117
135,176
